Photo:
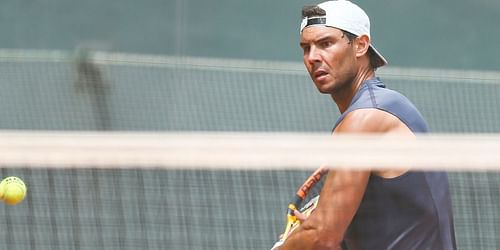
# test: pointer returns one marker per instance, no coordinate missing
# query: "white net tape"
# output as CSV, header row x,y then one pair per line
x,y
247,150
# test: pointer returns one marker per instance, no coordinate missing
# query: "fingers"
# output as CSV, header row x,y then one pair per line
x,y
300,216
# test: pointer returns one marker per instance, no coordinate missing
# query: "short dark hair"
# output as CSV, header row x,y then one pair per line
x,y
314,10
350,36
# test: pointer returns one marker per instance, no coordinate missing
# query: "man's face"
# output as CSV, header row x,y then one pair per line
x,y
329,57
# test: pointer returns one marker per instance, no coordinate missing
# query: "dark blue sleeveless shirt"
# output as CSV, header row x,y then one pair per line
x,y
412,211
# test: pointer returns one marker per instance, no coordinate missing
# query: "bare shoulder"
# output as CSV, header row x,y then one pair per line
x,y
376,121
371,120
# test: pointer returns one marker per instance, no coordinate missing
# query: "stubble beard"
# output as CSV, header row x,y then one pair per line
x,y
336,86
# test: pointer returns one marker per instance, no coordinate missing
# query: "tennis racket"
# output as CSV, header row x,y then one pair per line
x,y
300,195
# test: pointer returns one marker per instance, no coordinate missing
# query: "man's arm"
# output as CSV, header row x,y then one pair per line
x,y
340,198
343,190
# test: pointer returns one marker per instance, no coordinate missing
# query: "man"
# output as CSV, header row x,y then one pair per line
x,y
396,209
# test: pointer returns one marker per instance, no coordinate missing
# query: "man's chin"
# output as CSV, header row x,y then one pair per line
x,y
324,89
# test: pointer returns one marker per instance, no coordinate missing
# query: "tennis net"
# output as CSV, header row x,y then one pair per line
x,y
119,189
89,190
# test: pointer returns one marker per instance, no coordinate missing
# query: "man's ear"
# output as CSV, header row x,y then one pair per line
x,y
362,44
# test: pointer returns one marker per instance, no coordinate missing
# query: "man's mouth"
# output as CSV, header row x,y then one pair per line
x,y
319,74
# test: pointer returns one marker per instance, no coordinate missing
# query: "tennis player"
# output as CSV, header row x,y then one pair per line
x,y
396,209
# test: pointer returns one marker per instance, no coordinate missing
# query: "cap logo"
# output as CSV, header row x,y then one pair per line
x,y
312,21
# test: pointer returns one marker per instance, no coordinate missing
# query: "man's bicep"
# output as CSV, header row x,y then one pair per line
x,y
344,188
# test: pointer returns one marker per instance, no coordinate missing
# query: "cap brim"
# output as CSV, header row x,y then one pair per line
x,y
381,59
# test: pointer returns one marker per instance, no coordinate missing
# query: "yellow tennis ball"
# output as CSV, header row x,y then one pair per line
x,y
12,190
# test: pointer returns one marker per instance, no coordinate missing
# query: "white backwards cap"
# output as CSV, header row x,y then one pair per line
x,y
344,15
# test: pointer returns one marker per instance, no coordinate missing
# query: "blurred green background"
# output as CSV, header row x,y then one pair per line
x,y
206,65
458,34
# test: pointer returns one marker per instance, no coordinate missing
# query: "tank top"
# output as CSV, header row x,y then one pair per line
x,y
411,211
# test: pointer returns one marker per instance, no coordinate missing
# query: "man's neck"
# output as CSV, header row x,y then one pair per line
x,y
343,98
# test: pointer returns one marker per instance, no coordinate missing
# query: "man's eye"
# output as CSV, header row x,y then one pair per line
x,y
326,44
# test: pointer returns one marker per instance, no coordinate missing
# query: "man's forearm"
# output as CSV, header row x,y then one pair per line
x,y
309,237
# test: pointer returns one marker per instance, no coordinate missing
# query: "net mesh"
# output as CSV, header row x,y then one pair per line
x,y
84,206
85,203
153,209
98,202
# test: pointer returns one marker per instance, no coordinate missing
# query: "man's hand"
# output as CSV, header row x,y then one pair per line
x,y
300,216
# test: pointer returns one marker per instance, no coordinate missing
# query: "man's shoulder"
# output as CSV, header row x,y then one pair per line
x,y
374,104
370,119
